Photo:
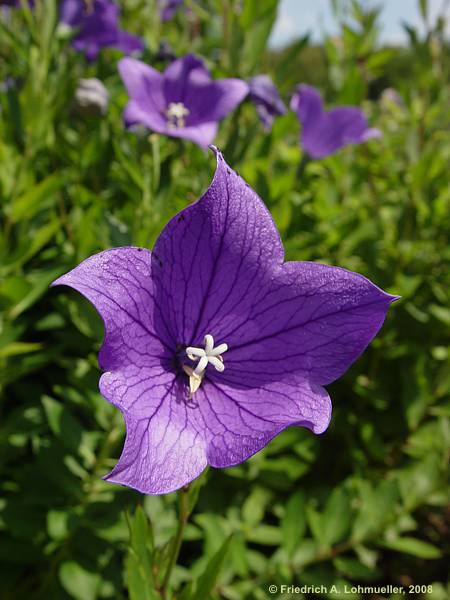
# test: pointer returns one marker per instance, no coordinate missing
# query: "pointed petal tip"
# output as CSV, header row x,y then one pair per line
x,y
217,152
59,281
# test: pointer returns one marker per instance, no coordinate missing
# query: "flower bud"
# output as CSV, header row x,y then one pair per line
x,y
91,97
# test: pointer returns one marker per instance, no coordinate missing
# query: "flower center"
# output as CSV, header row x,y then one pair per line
x,y
207,355
176,114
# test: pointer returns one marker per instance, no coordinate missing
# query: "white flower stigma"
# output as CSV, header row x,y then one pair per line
x,y
176,114
207,355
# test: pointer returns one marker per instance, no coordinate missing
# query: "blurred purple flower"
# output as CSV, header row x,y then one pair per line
x,y
16,3
168,8
267,99
181,102
97,23
324,132
213,344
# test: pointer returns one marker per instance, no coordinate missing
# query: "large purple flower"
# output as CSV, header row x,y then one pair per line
x,y
324,132
213,344
267,99
98,26
181,102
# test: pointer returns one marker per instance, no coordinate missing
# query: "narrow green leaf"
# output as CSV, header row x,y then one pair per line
x,y
293,524
409,545
207,580
141,583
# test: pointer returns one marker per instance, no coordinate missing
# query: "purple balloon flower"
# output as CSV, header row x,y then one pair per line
x,y
181,102
267,99
324,132
168,8
98,26
213,344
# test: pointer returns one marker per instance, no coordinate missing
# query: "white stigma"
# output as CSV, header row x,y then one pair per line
x,y
176,113
207,355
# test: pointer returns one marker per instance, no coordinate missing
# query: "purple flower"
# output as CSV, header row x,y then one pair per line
x,y
324,132
213,344
181,102
168,8
16,3
98,26
267,99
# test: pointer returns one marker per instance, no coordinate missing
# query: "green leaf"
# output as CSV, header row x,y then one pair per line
x,y
409,545
141,583
377,508
57,524
257,20
39,197
63,424
78,582
293,524
336,517
207,581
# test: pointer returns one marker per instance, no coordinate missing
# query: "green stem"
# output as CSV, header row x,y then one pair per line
x,y
302,166
183,515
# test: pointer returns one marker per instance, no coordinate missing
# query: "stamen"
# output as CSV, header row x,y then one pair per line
x,y
205,356
176,113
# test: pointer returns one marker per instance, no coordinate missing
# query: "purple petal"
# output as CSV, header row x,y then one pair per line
x,y
202,134
266,98
214,101
145,88
314,320
239,422
181,74
325,132
97,26
71,12
222,273
128,43
213,254
168,8
162,453
307,103
118,283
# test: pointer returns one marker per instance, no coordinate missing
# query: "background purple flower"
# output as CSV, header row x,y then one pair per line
x,y
168,8
324,132
181,102
281,332
16,3
97,23
265,95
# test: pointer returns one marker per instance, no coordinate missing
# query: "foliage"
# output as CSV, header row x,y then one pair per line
x,y
364,503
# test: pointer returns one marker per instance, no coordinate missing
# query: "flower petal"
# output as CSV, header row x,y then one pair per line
x,y
181,74
145,87
214,101
202,134
127,42
240,422
313,319
118,283
325,132
218,270
267,100
211,255
162,453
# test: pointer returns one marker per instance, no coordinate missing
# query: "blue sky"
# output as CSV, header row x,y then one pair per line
x,y
296,17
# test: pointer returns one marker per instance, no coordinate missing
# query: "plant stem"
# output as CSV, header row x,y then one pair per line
x,y
183,515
